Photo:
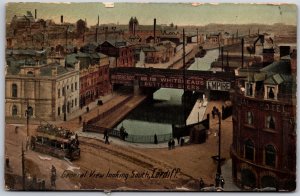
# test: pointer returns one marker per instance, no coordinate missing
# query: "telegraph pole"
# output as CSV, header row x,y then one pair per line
x,y
23,168
219,149
184,76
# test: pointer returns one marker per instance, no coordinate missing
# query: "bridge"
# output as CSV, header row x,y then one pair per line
x,y
173,78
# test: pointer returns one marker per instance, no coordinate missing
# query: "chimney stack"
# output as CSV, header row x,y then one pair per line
x,y
96,35
242,52
62,19
35,14
154,30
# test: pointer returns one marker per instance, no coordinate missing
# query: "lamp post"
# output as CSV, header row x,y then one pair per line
x,y
28,113
219,148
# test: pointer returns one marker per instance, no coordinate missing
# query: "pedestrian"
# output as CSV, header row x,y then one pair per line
x,y
173,144
178,140
181,141
105,134
80,119
155,139
201,183
106,140
16,129
217,180
53,176
169,144
222,182
213,114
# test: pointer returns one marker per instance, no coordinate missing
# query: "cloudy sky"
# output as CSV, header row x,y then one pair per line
x,y
165,13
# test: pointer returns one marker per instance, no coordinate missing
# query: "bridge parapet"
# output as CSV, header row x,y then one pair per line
x,y
173,78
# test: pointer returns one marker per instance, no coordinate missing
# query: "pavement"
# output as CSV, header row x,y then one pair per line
x,y
197,113
227,175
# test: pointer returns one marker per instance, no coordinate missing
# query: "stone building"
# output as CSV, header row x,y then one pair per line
x,y
50,90
264,136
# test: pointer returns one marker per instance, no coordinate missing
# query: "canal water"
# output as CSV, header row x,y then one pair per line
x,y
157,116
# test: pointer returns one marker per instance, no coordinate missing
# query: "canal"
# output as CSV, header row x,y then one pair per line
x,y
157,116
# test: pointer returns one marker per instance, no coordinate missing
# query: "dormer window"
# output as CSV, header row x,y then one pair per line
x,y
271,92
250,89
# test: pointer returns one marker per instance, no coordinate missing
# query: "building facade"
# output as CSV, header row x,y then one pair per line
x,y
264,137
94,81
50,91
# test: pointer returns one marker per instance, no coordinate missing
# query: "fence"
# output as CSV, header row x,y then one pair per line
x,y
130,138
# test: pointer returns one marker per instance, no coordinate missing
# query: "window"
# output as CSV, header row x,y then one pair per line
x,y
58,111
30,73
270,155
58,93
30,111
249,150
14,110
270,92
249,118
64,91
75,101
249,89
270,122
14,90
75,86
72,89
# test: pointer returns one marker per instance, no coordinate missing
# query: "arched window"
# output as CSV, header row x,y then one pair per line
x,y
30,111
270,122
14,110
30,73
249,118
249,150
14,90
270,155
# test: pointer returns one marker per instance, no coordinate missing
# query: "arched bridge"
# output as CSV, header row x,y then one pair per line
x,y
173,78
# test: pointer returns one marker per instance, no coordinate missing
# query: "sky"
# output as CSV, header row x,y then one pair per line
x,y
165,13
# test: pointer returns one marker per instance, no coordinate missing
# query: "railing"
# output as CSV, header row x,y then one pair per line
x,y
130,138
149,139
108,112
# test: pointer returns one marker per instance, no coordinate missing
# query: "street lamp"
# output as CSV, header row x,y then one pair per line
x,y
28,113
219,149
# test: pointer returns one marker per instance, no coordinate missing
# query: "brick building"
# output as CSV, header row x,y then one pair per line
x,y
94,75
264,136
121,51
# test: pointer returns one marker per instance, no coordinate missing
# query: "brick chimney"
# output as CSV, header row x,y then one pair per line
x,y
268,56
154,29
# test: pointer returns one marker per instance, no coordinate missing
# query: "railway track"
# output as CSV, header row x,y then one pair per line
x,y
131,156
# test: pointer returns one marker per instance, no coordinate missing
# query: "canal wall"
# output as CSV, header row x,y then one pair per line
x,y
114,115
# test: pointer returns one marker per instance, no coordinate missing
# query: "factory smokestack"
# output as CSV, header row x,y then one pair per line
x,y
242,52
154,30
